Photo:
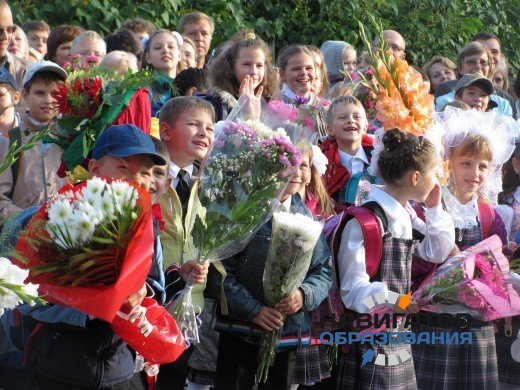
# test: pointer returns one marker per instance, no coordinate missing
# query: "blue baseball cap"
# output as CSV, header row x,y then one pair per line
x,y
7,78
125,141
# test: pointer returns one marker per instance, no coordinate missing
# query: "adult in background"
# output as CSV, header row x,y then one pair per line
x,y
395,42
199,27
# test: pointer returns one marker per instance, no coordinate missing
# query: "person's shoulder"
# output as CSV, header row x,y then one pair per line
x,y
446,87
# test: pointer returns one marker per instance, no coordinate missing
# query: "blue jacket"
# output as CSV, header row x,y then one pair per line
x,y
503,105
244,290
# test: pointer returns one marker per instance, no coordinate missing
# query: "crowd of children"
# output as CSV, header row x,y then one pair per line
x,y
54,347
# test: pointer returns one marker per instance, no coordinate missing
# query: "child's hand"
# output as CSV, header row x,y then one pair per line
x,y
135,299
292,303
199,272
253,107
434,197
268,319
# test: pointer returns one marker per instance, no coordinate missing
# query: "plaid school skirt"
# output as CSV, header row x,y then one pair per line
x,y
312,365
374,377
457,366
508,368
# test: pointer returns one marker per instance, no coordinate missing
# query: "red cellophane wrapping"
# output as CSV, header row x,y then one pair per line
x,y
99,301
164,345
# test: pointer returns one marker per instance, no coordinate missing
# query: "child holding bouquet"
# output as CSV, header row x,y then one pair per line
x,y
473,160
69,347
238,353
407,166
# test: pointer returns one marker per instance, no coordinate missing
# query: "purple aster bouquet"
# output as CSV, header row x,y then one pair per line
x,y
241,179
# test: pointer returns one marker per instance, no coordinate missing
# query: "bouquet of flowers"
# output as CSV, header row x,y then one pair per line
x,y
245,171
89,101
13,290
90,246
293,239
475,281
403,99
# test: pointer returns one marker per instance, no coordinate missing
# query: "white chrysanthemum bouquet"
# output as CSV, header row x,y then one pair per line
x,y
13,290
90,246
293,239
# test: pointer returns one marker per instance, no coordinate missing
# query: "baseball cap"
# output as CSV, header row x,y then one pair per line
x,y
41,66
7,78
475,78
125,141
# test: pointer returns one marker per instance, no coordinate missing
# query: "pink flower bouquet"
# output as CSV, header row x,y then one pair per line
x,y
475,281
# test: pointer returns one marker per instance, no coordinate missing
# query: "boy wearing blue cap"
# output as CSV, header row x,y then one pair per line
x,y
9,98
32,178
71,349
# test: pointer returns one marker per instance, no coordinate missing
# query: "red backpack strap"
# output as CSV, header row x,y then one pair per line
x,y
418,210
486,216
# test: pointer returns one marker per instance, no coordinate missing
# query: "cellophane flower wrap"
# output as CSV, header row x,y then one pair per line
x,y
90,246
89,101
13,289
476,282
242,176
293,239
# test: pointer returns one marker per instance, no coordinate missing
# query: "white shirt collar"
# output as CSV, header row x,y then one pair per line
x,y
348,160
390,205
285,205
173,170
464,215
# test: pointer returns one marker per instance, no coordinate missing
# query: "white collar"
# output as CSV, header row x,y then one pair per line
x,y
289,94
285,205
390,205
516,194
464,215
173,170
360,155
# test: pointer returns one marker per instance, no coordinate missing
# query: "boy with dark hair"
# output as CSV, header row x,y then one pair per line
x,y
191,80
33,177
140,28
123,40
37,32
475,90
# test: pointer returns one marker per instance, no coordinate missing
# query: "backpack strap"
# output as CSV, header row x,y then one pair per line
x,y
486,216
15,135
367,217
353,185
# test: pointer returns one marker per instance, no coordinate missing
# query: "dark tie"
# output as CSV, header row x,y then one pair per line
x,y
183,191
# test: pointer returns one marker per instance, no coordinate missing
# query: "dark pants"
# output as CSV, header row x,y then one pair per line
x,y
172,376
16,379
137,382
237,362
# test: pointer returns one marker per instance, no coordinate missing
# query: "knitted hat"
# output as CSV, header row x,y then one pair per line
x,y
333,53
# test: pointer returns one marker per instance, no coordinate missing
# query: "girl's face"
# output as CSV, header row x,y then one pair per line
x,y
349,124
250,61
476,63
349,60
440,73
305,173
468,175
188,56
427,181
17,44
164,53
498,80
62,53
299,74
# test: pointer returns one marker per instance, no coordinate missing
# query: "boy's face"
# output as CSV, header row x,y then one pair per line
x,y
91,52
200,33
161,182
137,169
8,99
38,40
189,138
41,101
349,124
475,96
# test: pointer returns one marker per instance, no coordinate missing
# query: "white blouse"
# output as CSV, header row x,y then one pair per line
x,y
438,242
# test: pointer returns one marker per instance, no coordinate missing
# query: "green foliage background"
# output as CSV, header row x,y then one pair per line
x,y
430,27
